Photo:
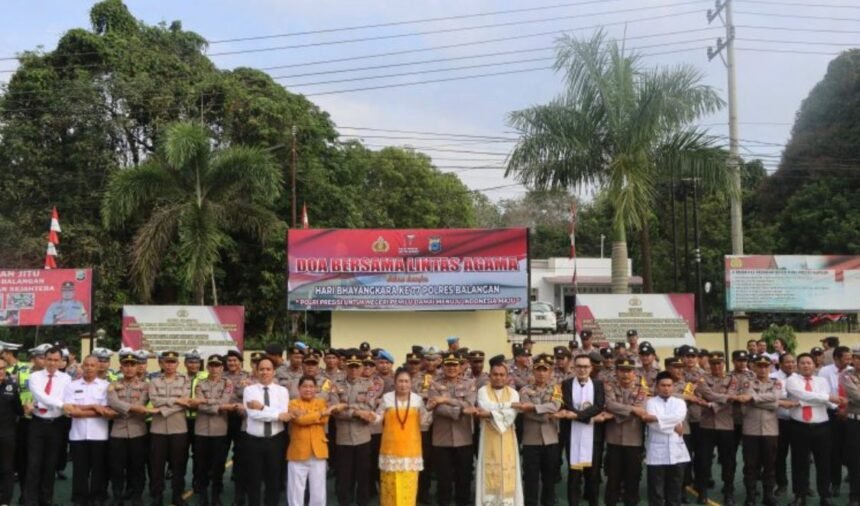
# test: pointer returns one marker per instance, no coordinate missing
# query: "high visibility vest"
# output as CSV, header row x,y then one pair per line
x,y
202,375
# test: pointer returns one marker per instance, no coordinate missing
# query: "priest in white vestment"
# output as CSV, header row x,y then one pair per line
x,y
497,480
666,454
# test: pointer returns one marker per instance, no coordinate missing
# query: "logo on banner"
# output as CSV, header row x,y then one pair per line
x,y
380,245
409,248
80,275
434,244
635,302
182,313
736,263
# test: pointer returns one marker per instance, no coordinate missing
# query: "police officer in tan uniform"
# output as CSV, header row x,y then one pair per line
x,y
353,433
520,372
850,384
476,365
759,399
561,370
452,400
625,401
538,402
213,398
647,372
170,395
718,428
128,396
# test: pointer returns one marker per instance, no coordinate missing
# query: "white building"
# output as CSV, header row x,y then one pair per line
x,y
552,279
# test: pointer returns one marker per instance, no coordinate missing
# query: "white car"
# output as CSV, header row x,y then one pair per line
x,y
542,318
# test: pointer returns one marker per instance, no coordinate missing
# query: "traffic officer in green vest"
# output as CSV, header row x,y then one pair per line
x,y
195,374
104,371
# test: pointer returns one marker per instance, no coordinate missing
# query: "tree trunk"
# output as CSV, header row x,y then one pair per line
x,y
199,291
645,240
214,289
620,276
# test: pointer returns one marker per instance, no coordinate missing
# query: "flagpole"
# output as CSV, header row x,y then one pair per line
x,y
573,256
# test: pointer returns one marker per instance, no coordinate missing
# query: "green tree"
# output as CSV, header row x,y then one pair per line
x,y
616,126
196,198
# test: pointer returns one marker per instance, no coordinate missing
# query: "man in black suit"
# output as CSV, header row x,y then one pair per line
x,y
580,416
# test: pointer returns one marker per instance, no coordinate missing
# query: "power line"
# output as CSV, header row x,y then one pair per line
x,y
449,134
796,29
798,16
446,30
408,22
802,42
466,67
786,51
796,4
448,46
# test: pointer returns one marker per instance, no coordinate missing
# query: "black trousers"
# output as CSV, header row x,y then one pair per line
x,y
852,451
782,447
809,438
7,466
540,469
623,472
453,465
375,442
89,476
664,485
724,442
127,462
22,429
589,477
353,474
63,453
691,440
164,449
211,453
837,448
43,445
262,457
240,474
760,464
425,477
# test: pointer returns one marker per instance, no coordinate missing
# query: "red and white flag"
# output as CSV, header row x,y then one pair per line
x,y
53,239
305,222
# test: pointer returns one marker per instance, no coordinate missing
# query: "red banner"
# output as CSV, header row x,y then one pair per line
x,y
45,297
407,270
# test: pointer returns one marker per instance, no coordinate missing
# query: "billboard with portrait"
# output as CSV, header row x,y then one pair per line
x,y
45,297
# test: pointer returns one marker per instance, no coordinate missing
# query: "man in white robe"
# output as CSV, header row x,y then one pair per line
x,y
497,480
665,452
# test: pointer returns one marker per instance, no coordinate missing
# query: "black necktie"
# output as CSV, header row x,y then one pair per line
x,y
267,426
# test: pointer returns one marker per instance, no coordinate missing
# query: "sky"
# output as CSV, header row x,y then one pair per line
x,y
783,49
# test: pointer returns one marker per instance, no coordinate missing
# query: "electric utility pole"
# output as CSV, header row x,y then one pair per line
x,y
725,6
293,173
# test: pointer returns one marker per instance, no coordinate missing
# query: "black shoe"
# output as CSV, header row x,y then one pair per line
x,y
780,491
728,500
702,498
826,502
798,501
157,501
61,476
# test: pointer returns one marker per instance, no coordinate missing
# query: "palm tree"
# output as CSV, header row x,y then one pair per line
x,y
618,127
193,198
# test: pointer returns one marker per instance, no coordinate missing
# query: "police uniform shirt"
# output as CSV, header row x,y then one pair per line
x,y
421,384
850,382
163,394
522,376
48,405
334,376
559,375
239,380
692,378
482,380
211,421
284,375
65,311
831,373
624,429
358,396
450,427
539,427
324,389
716,391
10,406
279,402
742,378
647,378
81,393
781,413
122,395
760,413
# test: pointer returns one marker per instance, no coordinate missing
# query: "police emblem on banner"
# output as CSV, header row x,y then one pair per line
x,y
434,244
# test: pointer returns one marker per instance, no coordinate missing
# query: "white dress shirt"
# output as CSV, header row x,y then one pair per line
x,y
818,398
81,393
779,375
831,374
664,446
48,405
279,402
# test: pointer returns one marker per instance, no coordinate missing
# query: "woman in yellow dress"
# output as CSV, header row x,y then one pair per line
x,y
402,414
